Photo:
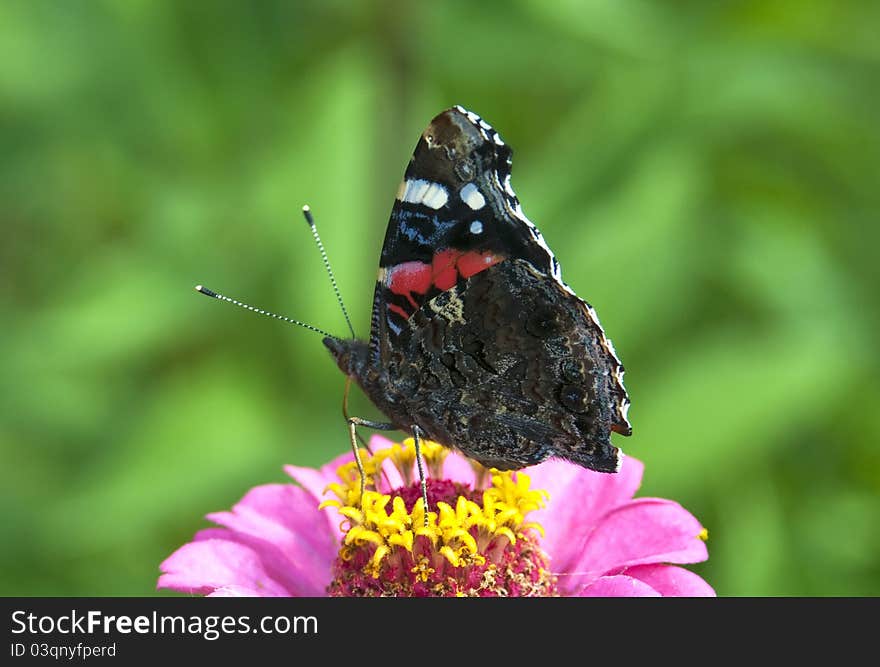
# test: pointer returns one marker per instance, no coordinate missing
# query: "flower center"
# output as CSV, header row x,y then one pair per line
x,y
476,541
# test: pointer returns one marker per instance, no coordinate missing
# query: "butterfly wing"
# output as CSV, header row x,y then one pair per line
x,y
455,228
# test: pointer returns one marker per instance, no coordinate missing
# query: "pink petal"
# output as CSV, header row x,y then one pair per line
x,y
670,580
578,499
378,442
315,481
213,534
457,468
618,586
283,524
201,567
391,478
234,592
643,531
297,581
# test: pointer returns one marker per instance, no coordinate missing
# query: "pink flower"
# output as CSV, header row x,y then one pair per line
x,y
591,538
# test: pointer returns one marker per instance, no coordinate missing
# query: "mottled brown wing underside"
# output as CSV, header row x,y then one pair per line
x,y
510,368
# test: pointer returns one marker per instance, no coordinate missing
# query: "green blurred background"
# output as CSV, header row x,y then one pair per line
x,y
707,173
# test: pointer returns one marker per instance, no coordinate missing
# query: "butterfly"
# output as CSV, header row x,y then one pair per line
x,y
475,341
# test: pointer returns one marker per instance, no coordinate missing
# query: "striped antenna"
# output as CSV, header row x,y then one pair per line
x,y
307,212
216,295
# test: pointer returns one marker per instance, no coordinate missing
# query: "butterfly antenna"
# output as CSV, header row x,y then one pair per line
x,y
307,212
216,295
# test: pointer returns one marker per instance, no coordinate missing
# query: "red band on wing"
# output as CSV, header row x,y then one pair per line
x,y
474,262
443,269
415,278
409,277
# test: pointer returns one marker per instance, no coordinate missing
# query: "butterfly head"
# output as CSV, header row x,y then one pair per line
x,y
459,147
350,355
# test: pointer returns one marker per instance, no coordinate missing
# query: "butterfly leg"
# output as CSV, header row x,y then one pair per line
x,y
353,423
363,442
417,438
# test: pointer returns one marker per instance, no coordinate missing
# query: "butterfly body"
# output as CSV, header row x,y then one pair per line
x,y
475,339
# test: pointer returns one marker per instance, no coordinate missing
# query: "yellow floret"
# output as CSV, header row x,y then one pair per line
x,y
385,524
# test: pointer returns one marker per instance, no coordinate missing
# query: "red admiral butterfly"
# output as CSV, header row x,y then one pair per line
x,y
475,341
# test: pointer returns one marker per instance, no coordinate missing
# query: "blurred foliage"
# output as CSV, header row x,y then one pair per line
x,y
707,173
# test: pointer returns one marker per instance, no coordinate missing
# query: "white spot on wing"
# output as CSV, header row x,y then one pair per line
x,y
471,196
477,228
418,191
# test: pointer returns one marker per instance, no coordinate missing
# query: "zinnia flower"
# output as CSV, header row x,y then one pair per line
x,y
553,529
